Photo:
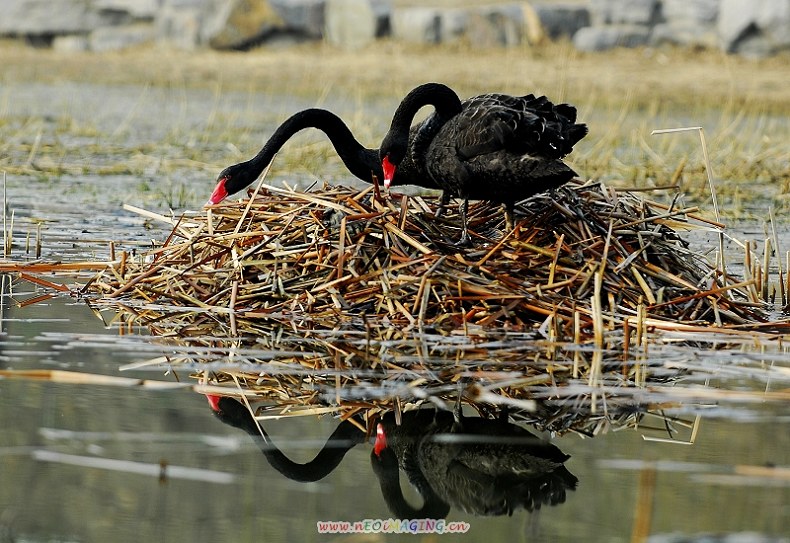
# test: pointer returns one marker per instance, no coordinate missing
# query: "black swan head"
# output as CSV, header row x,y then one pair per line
x,y
233,179
395,145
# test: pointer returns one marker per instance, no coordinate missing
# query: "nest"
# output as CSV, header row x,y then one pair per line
x,y
338,300
341,255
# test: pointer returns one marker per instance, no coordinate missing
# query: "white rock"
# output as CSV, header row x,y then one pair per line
x,y
351,24
417,25
687,12
73,43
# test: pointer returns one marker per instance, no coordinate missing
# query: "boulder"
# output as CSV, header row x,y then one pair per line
x,y
233,24
352,24
496,25
688,23
600,38
180,25
687,34
690,12
73,43
301,16
628,12
41,18
417,25
454,24
754,27
114,38
139,10
561,20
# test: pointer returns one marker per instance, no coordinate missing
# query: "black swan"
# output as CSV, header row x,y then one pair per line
x,y
491,147
361,162
484,467
385,466
343,439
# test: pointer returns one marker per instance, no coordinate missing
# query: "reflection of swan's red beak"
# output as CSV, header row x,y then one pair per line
x,y
213,401
219,194
381,439
389,171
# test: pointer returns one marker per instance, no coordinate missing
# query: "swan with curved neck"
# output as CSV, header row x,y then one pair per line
x,y
491,147
395,148
362,162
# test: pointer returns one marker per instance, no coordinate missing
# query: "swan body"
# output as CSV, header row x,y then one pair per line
x,y
491,147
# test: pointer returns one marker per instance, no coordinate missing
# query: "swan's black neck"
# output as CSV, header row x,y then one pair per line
x,y
396,143
386,469
359,160
442,97
343,439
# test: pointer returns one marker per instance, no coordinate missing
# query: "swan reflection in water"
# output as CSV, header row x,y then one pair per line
x,y
480,466
345,437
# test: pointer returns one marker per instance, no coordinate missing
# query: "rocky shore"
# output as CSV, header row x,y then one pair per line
x,y
750,27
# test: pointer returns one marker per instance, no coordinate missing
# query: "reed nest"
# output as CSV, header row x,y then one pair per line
x,y
579,253
342,301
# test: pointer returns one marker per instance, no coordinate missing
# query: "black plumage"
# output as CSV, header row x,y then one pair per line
x,y
483,467
495,147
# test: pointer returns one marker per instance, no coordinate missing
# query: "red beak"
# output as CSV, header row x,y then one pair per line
x,y
381,437
213,401
219,194
389,171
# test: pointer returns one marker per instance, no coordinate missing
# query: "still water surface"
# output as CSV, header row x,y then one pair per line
x,y
71,456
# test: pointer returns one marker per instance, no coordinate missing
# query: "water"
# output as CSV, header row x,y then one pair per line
x,y
128,461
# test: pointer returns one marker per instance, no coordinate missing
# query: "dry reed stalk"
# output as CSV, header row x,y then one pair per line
x,y
333,256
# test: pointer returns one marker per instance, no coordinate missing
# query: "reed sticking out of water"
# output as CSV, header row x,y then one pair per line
x,y
722,264
7,237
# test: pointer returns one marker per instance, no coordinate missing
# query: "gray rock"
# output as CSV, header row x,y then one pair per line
x,y
754,27
686,34
496,25
350,24
235,24
639,12
561,20
40,17
600,38
113,38
454,24
302,16
687,12
180,26
417,25
136,9
73,43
